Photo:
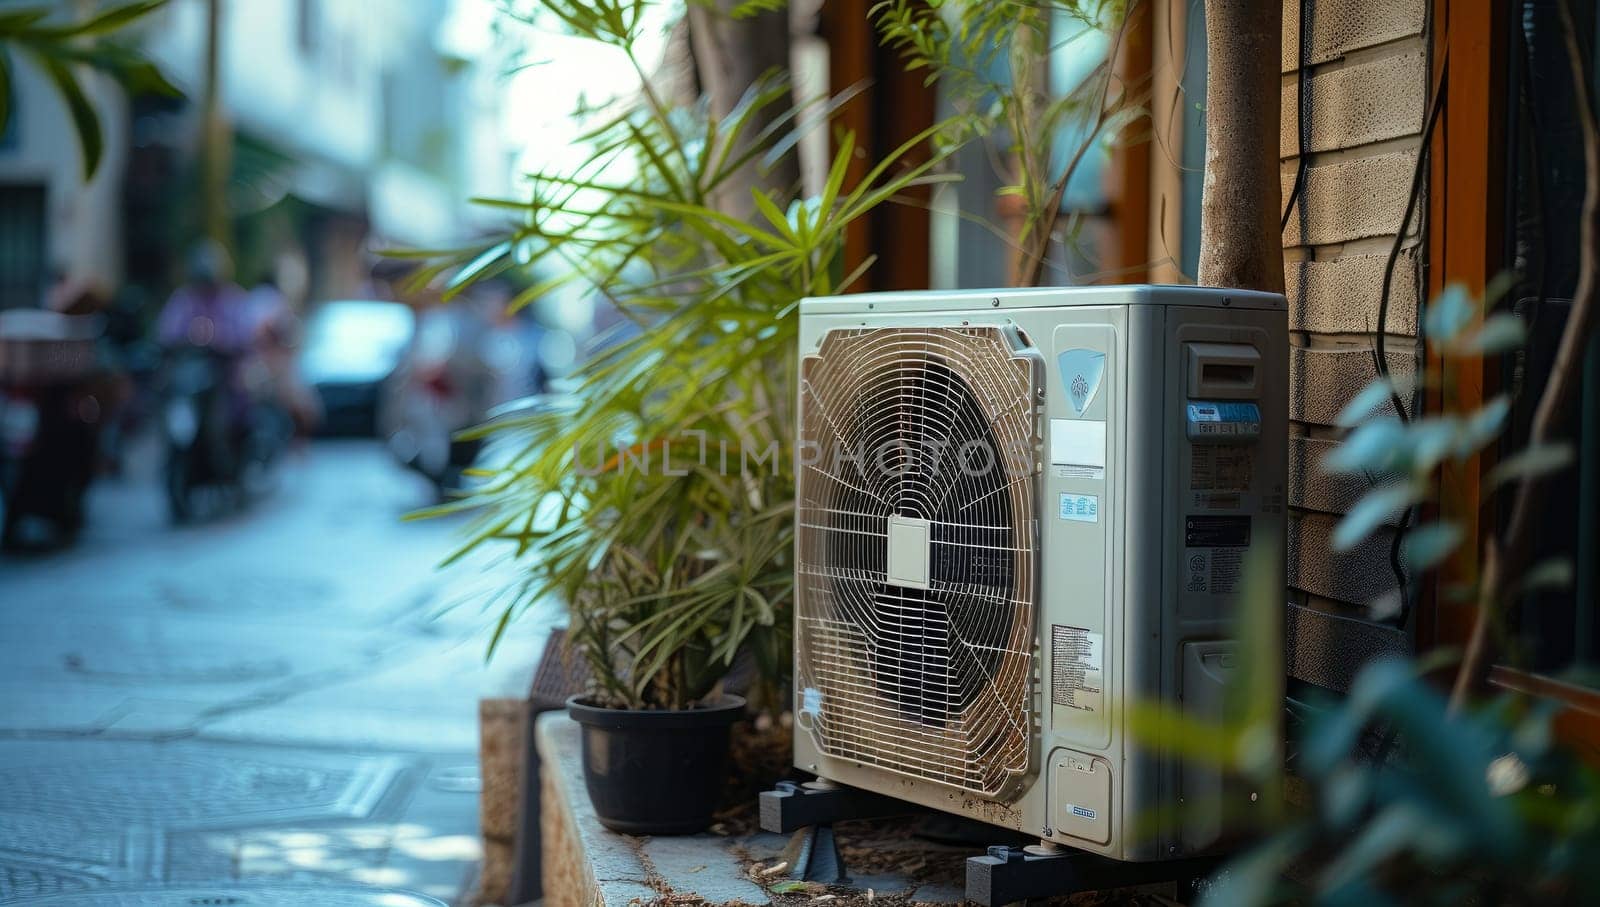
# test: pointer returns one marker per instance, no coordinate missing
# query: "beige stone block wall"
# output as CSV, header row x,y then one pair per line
x,y
1349,197
1320,291
1341,27
1322,381
568,882
1313,488
1352,106
1368,87
502,729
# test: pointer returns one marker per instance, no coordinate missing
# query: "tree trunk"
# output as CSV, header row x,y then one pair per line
x,y
216,142
731,55
1240,243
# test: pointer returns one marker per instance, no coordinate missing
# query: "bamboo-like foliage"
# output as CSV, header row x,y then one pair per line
x,y
656,501
58,49
990,56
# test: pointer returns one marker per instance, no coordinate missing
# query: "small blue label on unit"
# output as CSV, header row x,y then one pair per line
x,y
811,700
1080,508
1084,812
1222,419
1224,412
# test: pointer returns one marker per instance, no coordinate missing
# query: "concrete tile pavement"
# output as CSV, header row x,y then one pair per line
x,y
281,695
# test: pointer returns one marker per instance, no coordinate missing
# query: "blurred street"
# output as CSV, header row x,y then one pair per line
x,y
279,694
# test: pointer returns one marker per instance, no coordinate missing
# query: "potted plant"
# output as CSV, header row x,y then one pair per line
x,y
659,630
656,500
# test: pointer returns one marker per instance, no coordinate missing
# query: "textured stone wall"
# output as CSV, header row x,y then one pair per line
x,y
502,730
568,880
1368,88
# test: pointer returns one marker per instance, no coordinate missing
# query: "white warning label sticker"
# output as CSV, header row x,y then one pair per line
x,y
1221,467
1227,568
1077,668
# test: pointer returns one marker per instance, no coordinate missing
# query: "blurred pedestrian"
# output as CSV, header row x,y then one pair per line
x,y
276,333
208,309
210,313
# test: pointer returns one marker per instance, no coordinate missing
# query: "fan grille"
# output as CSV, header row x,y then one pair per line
x,y
935,427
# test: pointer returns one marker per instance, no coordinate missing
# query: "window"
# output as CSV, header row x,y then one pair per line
x,y
974,245
22,245
1557,629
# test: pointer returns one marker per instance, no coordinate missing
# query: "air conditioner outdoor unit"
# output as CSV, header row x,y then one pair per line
x,y
1018,512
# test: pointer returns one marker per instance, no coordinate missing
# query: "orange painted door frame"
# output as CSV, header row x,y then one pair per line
x,y
895,105
892,107
1129,188
1466,242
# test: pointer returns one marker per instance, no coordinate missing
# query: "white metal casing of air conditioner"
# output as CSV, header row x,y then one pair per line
x,y
1139,551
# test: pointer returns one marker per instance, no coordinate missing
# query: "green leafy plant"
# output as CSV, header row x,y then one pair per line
x,y
58,48
657,501
990,58
1478,806
1467,799
1401,453
1405,799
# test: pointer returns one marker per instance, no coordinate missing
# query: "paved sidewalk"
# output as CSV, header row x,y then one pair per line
x,y
281,696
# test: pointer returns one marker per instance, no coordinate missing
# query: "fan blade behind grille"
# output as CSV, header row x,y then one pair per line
x,y
933,429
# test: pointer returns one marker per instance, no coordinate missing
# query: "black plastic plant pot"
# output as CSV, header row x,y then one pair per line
x,y
655,772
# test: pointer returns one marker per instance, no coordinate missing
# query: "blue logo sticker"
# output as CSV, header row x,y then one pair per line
x,y
1084,812
1081,508
1081,371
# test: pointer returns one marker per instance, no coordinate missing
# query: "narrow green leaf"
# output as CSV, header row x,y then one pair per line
x,y
1530,463
497,633
15,22
1501,333
1369,401
699,216
1210,743
108,21
5,91
836,173
773,214
643,144
746,9
1373,510
1370,448
1497,287
1391,833
1426,546
1484,425
1555,573
490,262
1428,442
144,77
857,271
1448,314
85,120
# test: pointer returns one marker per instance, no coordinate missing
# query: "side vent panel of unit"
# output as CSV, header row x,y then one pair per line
x,y
917,546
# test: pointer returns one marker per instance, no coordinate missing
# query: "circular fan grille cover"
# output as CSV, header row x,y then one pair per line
x,y
917,541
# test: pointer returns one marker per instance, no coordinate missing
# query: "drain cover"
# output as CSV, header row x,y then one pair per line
x,y
238,896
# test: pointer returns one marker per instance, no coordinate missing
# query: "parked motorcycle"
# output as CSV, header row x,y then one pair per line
x,y
462,361
219,438
50,413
